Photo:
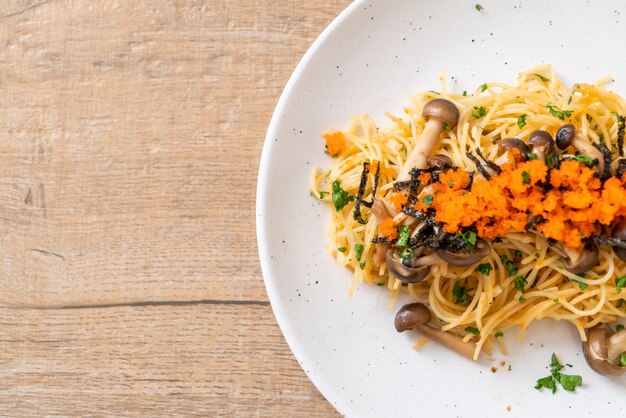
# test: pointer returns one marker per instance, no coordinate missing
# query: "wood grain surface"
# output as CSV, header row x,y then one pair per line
x,y
130,135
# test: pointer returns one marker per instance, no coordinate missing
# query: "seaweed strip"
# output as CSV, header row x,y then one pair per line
x,y
359,194
621,167
495,167
606,157
620,135
381,240
479,166
534,221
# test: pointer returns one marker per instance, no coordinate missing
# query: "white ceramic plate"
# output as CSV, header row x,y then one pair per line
x,y
370,60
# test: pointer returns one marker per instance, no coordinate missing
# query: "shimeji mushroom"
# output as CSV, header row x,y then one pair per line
x,y
513,146
410,270
582,259
381,213
541,144
438,113
464,257
603,350
566,136
416,316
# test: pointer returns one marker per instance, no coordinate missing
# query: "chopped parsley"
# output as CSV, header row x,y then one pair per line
x,y
362,265
404,233
469,238
619,303
522,299
358,250
484,269
340,197
447,127
342,249
472,330
520,284
403,151
380,284
521,120
581,285
464,92
461,295
542,78
558,113
581,159
479,112
483,87
450,184
531,156
322,194
479,7
517,254
525,177
499,334
622,360
511,268
619,283
567,381
619,328
427,200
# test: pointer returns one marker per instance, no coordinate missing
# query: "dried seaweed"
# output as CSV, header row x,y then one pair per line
x,y
482,170
620,135
359,196
606,158
495,167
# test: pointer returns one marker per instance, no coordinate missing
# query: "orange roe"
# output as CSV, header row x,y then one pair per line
x,y
388,229
398,200
335,142
571,210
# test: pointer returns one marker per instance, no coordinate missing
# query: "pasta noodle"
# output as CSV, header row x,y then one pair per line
x,y
494,302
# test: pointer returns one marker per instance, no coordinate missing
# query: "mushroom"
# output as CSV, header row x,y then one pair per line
x,y
619,232
567,136
580,260
541,143
438,113
514,146
416,316
381,213
603,350
410,270
465,258
439,161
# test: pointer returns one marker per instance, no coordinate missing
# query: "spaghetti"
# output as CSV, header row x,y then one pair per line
x,y
519,218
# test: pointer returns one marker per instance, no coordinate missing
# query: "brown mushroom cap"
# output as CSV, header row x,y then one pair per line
x,y
439,161
596,351
540,139
619,232
410,316
565,136
587,258
405,270
465,258
442,110
514,145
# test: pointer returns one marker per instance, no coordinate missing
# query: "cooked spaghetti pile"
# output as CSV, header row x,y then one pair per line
x,y
507,206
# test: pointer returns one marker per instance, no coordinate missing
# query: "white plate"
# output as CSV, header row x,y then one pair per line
x,y
370,60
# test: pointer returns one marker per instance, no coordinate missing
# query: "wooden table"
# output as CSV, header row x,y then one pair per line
x,y
130,139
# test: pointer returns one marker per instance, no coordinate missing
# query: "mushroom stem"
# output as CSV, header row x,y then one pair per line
x,y
380,249
431,259
616,345
448,339
585,147
418,158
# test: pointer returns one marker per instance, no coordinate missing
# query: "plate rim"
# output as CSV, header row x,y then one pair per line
x,y
261,199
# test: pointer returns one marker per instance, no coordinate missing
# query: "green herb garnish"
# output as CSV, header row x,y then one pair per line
x,y
358,250
520,284
483,87
427,200
484,269
542,78
340,197
619,283
556,112
479,112
464,92
461,295
322,194
472,330
499,334
407,253
342,249
568,382
525,177
469,238
531,156
521,120
619,328
479,7
404,233
511,268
